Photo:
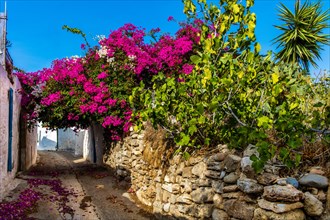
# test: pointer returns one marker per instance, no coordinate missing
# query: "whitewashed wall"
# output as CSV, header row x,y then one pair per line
x,y
70,140
7,177
47,139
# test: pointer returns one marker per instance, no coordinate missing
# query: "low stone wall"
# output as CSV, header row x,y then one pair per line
x,y
218,185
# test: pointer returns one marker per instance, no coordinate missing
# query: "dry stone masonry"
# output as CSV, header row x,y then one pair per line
x,y
218,185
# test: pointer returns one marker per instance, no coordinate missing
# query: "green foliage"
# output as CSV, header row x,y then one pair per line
x,y
76,31
302,39
234,95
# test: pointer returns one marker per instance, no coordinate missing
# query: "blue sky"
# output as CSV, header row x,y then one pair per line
x,y
35,27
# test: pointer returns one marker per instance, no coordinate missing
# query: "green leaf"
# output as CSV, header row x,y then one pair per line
x,y
192,129
195,59
318,104
200,108
184,139
235,8
201,119
258,165
293,105
214,105
186,155
264,121
275,78
257,47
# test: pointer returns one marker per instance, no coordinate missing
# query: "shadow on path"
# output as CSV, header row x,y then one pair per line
x,y
72,188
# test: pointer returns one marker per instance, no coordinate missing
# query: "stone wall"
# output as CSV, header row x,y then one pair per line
x,y
220,184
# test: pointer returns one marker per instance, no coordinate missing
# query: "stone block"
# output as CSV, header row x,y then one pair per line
x,y
312,205
232,163
282,193
202,195
218,214
199,169
186,172
260,214
239,209
279,207
218,201
185,199
249,186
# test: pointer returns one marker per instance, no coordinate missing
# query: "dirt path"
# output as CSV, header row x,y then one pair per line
x,y
71,188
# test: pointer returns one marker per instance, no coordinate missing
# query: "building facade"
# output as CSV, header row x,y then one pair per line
x,y
18,145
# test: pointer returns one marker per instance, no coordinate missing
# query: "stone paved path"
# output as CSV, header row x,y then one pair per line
x,y
95,192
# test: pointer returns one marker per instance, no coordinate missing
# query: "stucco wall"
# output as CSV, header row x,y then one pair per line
x,y
70,140
28,146
93,144
7,177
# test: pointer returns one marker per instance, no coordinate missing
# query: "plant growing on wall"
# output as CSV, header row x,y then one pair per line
x,y
233,95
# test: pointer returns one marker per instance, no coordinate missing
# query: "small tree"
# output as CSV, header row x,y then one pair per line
x,y
302,35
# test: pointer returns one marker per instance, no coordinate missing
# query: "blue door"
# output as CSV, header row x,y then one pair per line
x,y
10,131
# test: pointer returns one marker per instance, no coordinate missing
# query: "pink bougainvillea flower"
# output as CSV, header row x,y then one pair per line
x,y
50,99
102,75
187,68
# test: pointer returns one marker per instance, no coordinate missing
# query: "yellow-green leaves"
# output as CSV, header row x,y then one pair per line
x,y
264,122
189,7
293,105
240,74
249,3
209,46
235,8
195,59
275,77
257,47
208,74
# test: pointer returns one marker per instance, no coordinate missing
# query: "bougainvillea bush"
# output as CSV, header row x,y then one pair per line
x,y
206,85
79,91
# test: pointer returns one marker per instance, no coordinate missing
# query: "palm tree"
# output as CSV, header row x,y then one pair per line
x,y
302,35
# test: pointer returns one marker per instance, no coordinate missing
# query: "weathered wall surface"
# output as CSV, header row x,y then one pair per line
x,y
70,140
28,146
31,148
5,176
93,144
218,185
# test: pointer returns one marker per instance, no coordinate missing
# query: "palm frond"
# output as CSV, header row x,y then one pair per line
x,y
302,37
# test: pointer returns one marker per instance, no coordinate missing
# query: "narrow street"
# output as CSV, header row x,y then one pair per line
x,y
72,188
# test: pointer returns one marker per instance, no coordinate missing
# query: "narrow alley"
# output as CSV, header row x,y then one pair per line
x,y
67,187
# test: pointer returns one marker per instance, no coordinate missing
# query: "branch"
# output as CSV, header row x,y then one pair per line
x,y
324,131
235,116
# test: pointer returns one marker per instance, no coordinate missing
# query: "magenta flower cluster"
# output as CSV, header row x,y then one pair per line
x,y
20,208
75,92
28,198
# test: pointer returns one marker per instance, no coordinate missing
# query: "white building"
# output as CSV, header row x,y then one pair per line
x,y
17,143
